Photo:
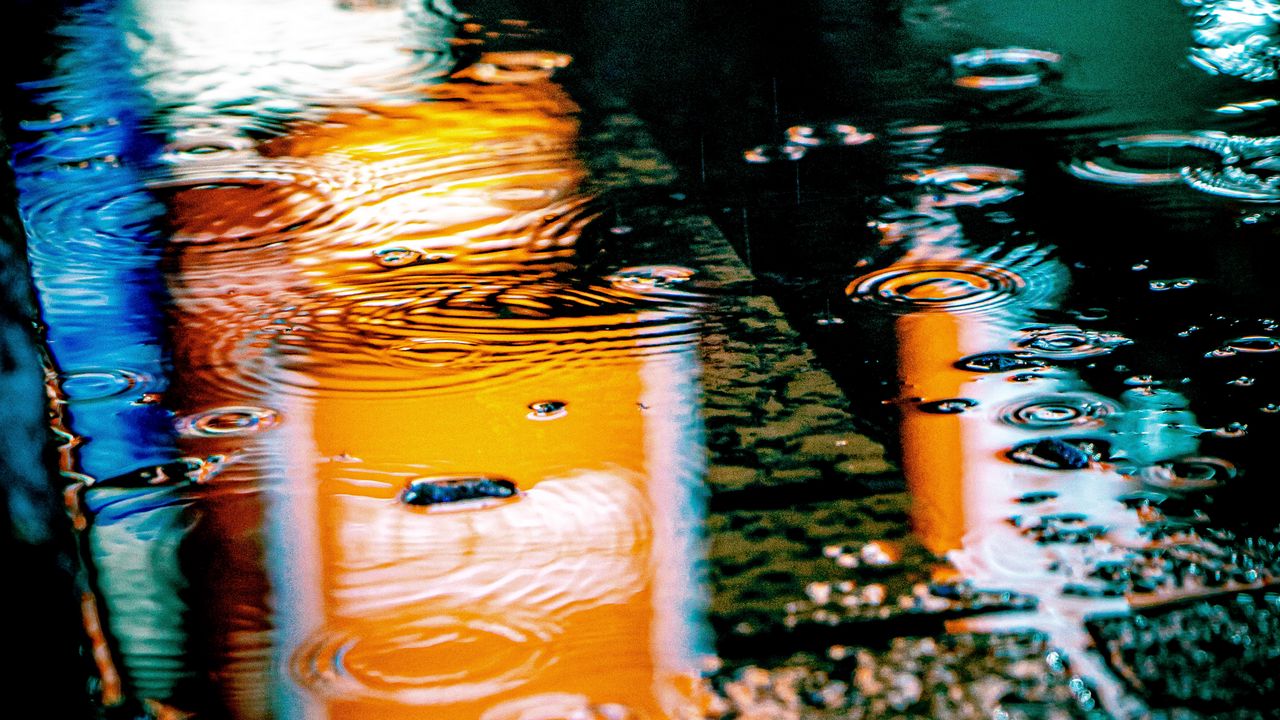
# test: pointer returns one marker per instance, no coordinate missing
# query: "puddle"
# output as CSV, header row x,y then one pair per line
x,y
353,277
388,383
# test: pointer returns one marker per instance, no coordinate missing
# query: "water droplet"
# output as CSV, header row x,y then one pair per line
x,y
395,257
1258,183
1232,431
547,410
1174,284
411,660
951,406
940,286
1271,408
1067,342
1152,159
650,278
1187,473
967,185
1253,344
89,385
1242,381
1003,69
1060,410
453,489
1142,381
227,421
1141,498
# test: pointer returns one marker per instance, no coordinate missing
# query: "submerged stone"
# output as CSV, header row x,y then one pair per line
x,y
1061,453
434,491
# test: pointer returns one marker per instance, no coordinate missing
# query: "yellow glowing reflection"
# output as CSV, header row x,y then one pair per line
x,y
386,280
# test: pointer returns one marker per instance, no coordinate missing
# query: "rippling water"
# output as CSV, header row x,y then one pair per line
x,y
356,423
314,294
1056,214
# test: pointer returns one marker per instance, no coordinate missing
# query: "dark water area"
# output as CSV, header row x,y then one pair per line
x,y
718,79
376,393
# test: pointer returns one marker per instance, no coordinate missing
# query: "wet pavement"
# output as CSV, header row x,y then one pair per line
x,y
394,370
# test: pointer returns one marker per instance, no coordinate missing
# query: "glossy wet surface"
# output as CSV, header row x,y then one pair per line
x,y
372,404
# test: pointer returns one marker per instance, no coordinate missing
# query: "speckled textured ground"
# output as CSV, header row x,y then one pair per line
x,y
823,604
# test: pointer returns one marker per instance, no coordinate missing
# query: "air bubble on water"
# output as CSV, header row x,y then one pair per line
x,y
1187,473
396,257
1252,344
1232,430
88,385
547,410
227,421
960,286
951,406
1003,69
650,278
1257,183
1068,342
1271,408
620,229
1174,284
1059,410
1142,381
1138,160
967,185
1242,381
